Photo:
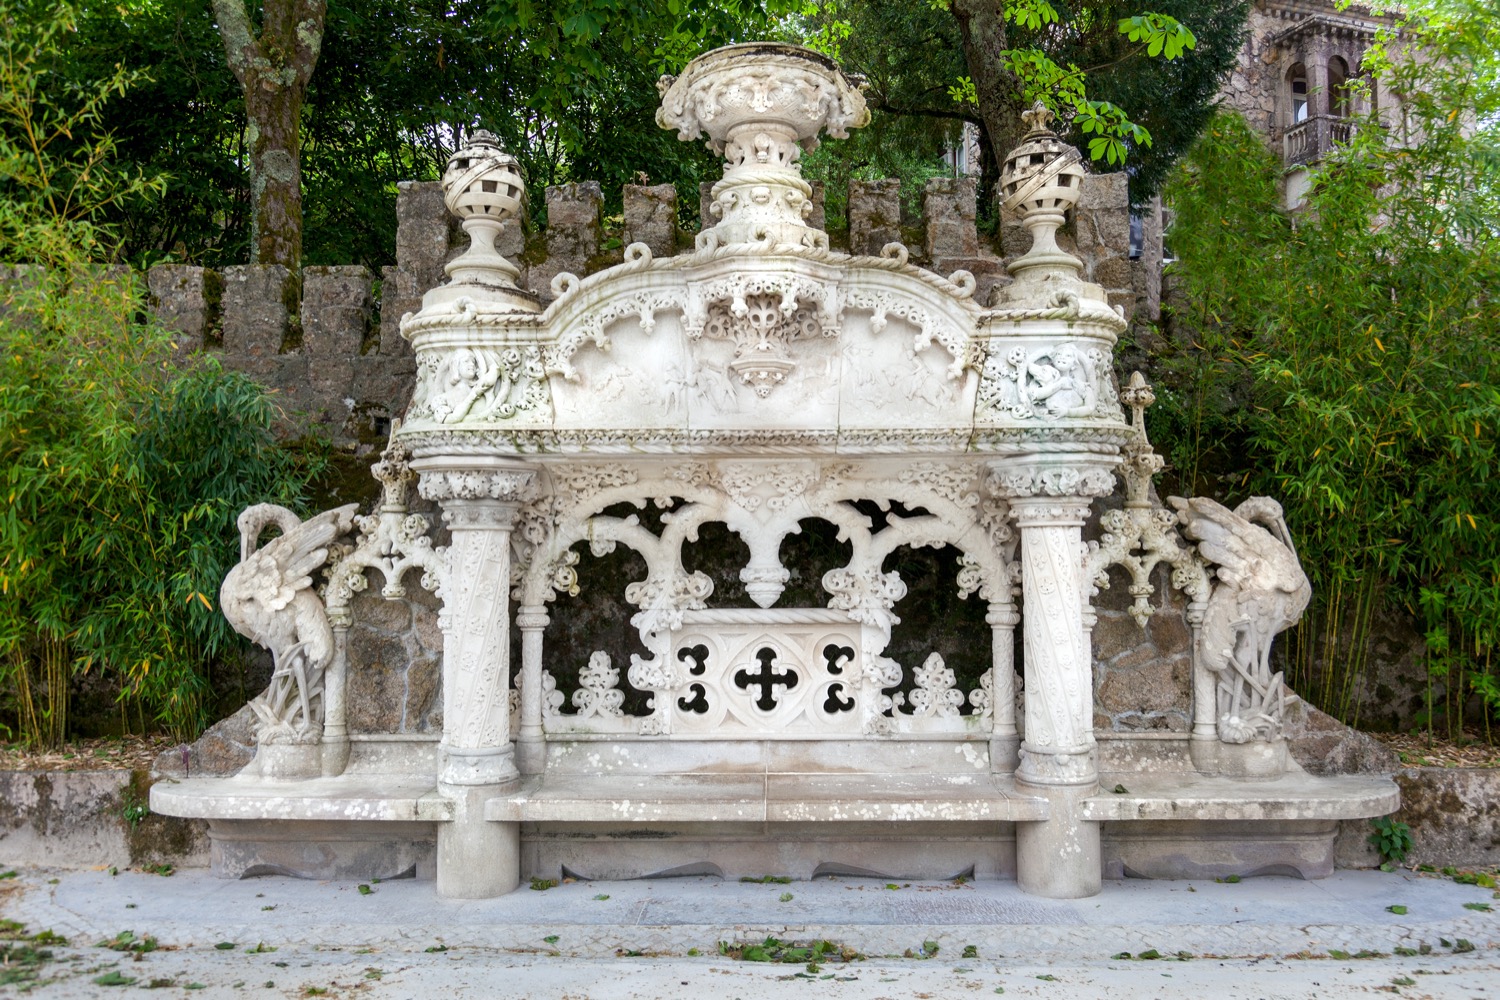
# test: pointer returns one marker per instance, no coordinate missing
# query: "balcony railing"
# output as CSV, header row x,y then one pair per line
x,y
1310,140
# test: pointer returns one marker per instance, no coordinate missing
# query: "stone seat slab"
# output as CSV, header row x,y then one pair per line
x,y
1292,796
772,797
381,798
630,798
895,797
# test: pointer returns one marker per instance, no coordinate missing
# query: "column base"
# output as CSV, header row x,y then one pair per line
x,y
335,751
1005,754
490,766
1059,858
531,755
476,858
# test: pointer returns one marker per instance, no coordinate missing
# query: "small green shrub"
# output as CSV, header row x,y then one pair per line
x,y
1391,839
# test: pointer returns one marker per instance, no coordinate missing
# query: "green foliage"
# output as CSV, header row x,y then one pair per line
x,y
133,808
122,471
1081,57
1344,360
1391,839
46,175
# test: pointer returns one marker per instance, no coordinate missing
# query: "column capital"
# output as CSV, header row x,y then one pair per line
x,y
1043,512
1013,482
474,479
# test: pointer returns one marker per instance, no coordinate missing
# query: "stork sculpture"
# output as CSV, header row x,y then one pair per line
x,y
1260,591
269,599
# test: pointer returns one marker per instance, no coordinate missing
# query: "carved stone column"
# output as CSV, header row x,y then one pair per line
x,y
1059,857
531,744
336,699
1203,745
1005,741
476,858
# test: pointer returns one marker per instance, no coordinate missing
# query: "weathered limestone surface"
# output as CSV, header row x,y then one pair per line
x,y
260,309
1142,676
1324,745
874,215
1454,815
186,299
76,819
572,235
337,309
948,206
395,656
651,217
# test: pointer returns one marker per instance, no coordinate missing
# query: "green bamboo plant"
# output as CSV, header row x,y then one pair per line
x,y
1345,358
122,465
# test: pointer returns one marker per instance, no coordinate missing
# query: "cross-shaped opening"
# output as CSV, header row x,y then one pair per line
x,y
766,678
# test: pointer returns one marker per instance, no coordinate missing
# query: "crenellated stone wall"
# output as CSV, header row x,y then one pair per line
x,y
328,342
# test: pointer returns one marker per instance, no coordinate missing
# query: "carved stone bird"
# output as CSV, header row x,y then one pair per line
x,y
1261,588
269,599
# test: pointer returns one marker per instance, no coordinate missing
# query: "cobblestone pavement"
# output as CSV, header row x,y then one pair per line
x,y
274,937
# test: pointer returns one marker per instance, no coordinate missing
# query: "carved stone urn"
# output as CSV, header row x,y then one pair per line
x,y
761,104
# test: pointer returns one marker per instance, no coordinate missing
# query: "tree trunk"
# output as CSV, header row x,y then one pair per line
x,y
981,25
273,70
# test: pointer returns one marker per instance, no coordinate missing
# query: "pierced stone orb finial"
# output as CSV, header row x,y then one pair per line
x,y
482,179
482,186
1039,181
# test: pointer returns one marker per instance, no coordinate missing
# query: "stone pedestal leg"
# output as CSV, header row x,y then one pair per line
x,y
531,745
1005,742
476,858
1059,857
476,747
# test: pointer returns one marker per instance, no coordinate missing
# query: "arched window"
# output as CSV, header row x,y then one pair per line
x,y
1339,98
1297,83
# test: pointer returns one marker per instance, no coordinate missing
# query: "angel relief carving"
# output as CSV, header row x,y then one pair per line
x,y
1050,383
476,383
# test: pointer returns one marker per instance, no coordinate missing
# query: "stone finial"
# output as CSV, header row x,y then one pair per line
x,y
393,473
1141,460
760,105
483,187
1039,181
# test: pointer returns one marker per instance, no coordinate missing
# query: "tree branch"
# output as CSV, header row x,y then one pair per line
x,y
241,47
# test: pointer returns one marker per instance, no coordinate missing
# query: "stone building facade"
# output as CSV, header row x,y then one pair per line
x,y
1295,75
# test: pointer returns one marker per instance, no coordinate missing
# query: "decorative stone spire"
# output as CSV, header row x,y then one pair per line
x,y
1141,462
483,187
1039,181
761,104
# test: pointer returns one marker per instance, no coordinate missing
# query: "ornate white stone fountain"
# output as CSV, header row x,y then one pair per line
x,y
762,381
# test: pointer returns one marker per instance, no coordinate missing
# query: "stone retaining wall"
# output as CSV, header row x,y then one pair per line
x,y
78,819
328,341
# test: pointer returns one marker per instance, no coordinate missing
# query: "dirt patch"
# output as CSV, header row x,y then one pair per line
x,y
127,753
1417,751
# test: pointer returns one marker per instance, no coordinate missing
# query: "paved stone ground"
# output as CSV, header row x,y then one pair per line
x,y
275,937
